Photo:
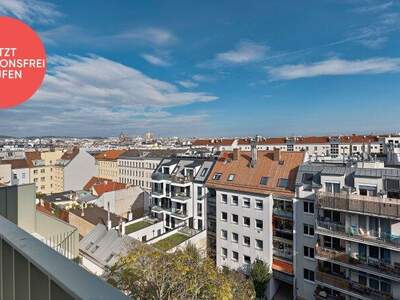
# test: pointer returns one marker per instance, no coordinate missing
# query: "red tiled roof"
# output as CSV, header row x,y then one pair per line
x,y
102,185
31,156
16,163
213,142
109,154
247,179
70,154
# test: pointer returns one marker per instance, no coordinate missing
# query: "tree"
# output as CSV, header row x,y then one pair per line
x,y
147,273
260,274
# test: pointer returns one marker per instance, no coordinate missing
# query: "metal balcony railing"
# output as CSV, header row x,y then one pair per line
x,y
31,270
368,263
347,201
371,236
283,213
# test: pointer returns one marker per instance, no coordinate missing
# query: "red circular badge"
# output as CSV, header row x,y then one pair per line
x,y
22,62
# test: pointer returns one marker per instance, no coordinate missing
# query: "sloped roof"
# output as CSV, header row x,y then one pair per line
x,y
109,155
31,156
15,163
247,179
103,185
106,246
96,215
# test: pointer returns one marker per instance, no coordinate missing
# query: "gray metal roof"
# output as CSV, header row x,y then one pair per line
x,y
378,173
106,246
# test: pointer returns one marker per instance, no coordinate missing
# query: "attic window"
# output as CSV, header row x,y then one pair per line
x,y
231,177
204,172
264,180
283,183
217,176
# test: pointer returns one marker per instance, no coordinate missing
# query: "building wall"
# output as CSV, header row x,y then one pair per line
x,y
20,176
137,171
107,169
79,171
265,234
5,174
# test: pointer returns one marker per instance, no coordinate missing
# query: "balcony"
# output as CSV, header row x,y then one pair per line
x,y
285,254
158,176
179,180
31,270
283,213
157,193
177,213
345,285
364,264
358,235
180,197
344,201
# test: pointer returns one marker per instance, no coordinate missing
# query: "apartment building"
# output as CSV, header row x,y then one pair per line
x,y
328,146
349,227
72,170
136,166
42,169
18,171
254,194
107,164
179,193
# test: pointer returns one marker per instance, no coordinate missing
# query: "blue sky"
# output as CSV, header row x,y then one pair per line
x,y
212,68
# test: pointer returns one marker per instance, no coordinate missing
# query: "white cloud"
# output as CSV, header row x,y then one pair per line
x,y
151,35
244,52
32,11
155,60
374,8
188,84
95,95
335,66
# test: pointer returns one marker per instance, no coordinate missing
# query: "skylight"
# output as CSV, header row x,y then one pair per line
x,y
231,177
264,180
217,176
283,183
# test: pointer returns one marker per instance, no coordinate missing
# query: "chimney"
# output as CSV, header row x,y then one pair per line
x,y
236,153
277,154
83,210
254,152
109,224
123,228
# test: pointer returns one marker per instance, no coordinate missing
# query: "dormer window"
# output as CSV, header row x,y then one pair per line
x,y
217,176
204,172
231,177
264,180
283,183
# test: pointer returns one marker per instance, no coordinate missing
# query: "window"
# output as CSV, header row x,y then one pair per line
x,y
308,207
308,275
308,229
231,177
246,202
259,224
283,183
224,216
259,244
259,204
246,221
235,237
199,192
224,234
204,172
264,180
224,198
224,252
308,252
235,200
246,241
217,176
235,219
235,256
246,259
199,209
332,187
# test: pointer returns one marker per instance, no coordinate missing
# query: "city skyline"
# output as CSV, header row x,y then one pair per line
x,y
212,69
